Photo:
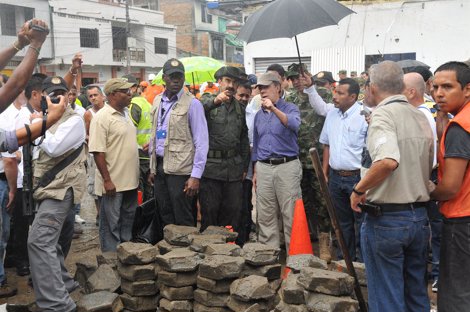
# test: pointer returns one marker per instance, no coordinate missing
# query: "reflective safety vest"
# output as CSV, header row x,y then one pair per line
x,y
459,206
78,102
144,125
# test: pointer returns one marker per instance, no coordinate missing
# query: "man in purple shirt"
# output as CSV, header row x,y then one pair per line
x,y
178,148
278,170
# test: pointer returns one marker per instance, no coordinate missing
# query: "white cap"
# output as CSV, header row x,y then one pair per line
x,y
151,77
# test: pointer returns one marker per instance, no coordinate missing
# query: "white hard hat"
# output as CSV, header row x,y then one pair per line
x,y
151,77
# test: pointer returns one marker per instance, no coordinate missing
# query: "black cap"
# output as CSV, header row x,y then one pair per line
x,y
252,79
51,84
324,76
173,66
131,79
231,72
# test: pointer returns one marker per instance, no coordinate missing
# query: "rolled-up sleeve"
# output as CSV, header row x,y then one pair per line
x,y
198,125
293,117
8,141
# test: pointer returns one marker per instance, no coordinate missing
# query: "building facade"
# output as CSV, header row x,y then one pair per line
x,y
97,29
200,31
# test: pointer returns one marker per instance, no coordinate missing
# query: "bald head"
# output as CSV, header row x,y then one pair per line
x,y
414,88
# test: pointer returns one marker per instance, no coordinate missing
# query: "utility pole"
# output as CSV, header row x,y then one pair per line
x,y
128,32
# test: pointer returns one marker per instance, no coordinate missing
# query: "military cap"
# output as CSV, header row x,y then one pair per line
x,y
267,78
360,81
294,70
130,78
324,76
343,72
51,84
353,73
252,79
231,72
173,66
116,84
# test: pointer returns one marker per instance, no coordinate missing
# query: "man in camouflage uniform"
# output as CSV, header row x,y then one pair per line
x,y
228,158
308,137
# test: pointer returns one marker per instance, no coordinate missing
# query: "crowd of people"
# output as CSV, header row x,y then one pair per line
x,y
394,148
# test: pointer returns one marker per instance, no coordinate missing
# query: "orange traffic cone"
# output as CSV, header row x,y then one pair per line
x,y
140,199
300,238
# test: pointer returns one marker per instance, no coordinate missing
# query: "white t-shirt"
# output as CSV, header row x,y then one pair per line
x,y
427,112
7,123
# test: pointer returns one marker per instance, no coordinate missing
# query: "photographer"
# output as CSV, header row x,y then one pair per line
x,y
61,157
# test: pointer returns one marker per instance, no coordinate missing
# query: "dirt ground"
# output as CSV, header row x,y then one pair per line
x,y
87,245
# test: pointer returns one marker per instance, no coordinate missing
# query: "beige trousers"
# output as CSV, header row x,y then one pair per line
x,y
277,189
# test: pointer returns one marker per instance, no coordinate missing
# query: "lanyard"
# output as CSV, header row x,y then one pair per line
x,y
162,116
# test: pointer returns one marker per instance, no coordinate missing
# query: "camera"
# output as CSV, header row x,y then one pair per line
x,y
54,100
37,27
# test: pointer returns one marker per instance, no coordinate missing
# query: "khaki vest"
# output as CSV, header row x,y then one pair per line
x,y
178,155
73,176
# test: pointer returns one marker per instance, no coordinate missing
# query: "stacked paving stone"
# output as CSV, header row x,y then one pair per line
x,y
100,282
178,266
138,271
312,287
239,280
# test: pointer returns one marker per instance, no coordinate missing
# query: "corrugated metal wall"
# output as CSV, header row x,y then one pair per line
x,y
262,63
335,59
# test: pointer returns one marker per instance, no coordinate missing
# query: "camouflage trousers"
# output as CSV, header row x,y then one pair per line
x,y
314,203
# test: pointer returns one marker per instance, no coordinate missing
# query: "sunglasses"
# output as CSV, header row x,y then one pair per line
x,y
125,91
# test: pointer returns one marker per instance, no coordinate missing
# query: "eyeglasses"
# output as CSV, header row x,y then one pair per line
x,y
125,91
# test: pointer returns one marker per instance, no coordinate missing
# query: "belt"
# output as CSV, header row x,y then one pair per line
x,y
347,173
400,207
3,176
278,161
222,154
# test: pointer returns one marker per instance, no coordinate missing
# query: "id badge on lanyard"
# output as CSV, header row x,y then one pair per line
x,y
161,134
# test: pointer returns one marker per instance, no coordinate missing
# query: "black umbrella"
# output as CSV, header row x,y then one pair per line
x,y
288,18
411,64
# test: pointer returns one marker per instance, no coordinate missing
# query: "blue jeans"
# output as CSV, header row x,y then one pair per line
x,y
435,221
394,247
349,221
116,219
5,226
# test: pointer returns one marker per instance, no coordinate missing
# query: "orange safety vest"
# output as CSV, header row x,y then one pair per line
x,y
212,90
152,91
459,206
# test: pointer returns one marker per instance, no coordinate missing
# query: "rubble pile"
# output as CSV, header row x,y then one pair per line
x,y
312,286
190,271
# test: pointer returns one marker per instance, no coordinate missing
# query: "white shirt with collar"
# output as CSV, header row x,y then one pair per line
x,y
345,133
69,135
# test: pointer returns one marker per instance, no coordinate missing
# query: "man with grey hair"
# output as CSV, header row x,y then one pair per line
x,y
393,194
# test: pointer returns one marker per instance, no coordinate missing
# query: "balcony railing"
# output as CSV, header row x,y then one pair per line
x,y
137,55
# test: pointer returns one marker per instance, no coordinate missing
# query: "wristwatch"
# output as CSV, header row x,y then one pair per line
x,y
356,191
